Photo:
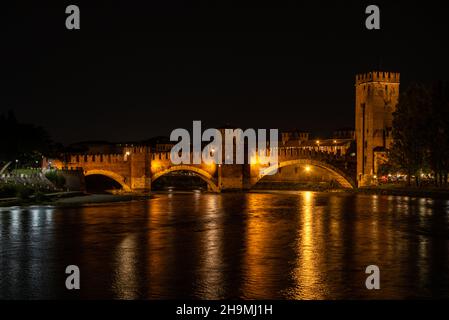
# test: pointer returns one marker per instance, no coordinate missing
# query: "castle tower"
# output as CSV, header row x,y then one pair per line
x,y
376,97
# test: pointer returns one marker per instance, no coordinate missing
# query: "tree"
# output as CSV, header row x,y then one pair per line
x,y
437,133
24,142
408,151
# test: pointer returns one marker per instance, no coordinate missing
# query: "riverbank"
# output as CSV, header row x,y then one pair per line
x,y
71,199
80,198
400,190
295,186
96,198
388,189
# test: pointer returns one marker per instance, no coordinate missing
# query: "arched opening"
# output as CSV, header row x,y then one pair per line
x,y
303,174
97,183
181,180
111,175
189,172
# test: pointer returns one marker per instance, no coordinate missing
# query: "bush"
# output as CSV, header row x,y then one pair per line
x,y
8,190
40,196
24,192
56,179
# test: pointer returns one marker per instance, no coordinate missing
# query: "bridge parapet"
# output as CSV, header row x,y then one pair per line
x,y
310,153
283,152
160,156
88,158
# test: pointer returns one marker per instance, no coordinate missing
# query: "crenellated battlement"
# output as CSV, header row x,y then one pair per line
x,y
94,158
377,76
160,155
135,149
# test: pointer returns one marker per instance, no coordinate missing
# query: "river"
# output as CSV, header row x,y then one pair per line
x,y
267,245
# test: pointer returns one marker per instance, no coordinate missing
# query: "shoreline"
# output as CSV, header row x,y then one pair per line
x,y
435,193
73,199
396,191
80,198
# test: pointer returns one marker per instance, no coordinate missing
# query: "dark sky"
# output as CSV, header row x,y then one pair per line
x,y
140,69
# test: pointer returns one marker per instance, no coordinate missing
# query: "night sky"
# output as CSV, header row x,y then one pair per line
x,y
140,69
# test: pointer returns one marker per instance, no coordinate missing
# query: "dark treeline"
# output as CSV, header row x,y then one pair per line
x,y
421,133
25,143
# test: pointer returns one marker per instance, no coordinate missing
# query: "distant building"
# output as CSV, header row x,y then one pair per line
x,y
160,144
377,95
94,147
344,133
294,136
338,147
340,144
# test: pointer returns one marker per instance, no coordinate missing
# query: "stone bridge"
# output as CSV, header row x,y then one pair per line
x,y
137,168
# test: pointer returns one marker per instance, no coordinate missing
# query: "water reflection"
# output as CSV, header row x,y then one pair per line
x,y
307,273
265,248
286,245
210,271
15,222
125,279
161,241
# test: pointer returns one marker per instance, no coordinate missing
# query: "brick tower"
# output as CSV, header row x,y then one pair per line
x,y
376,97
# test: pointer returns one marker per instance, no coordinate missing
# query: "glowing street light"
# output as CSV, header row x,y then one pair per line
x,y
307,168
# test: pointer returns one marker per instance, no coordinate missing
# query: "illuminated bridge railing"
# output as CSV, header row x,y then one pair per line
x,y
299,152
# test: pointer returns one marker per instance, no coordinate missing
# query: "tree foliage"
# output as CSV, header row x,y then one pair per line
x,y
25,142
421,132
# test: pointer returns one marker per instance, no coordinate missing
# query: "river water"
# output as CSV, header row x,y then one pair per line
x,y
272,245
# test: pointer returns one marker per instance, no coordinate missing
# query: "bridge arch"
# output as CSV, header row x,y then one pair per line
x,y
114,176
340,176
203,174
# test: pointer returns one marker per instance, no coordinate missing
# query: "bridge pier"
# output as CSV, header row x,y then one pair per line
x,y
139,169
231,177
